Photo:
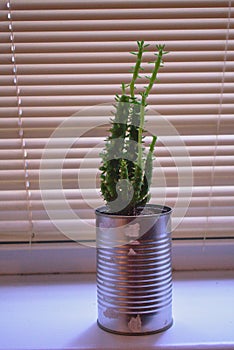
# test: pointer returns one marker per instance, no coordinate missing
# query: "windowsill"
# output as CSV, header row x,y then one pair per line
x,y
59,312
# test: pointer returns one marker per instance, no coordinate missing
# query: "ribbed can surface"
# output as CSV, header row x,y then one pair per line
x,y
134,277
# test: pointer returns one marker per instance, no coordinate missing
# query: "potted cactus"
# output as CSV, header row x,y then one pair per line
x,y
134,283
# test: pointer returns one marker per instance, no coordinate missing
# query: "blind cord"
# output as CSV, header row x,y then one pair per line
x,y
20,125
218,123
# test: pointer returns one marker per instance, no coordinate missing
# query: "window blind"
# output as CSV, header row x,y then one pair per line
x,y
59,59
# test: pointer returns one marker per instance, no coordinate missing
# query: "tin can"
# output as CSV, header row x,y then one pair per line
x,y
134,271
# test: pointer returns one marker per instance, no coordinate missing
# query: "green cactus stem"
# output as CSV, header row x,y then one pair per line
x,y
126,171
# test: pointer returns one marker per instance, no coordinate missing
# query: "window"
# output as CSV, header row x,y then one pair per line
x,y
63,61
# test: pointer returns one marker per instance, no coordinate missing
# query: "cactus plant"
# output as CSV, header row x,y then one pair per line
x,y
126,171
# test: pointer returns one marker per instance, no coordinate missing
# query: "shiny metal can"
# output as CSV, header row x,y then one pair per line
x,y
134,272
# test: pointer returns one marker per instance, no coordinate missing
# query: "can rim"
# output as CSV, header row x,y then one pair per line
x,y
157,210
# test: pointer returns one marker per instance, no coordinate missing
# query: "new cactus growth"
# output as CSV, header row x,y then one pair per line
x,y
126,171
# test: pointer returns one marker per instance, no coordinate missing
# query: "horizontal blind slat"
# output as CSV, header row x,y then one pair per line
x,y
100,4
201,152
197,206
118,78
88,213
124,46
66,90
36,56
112,25
106,68
206,34
122,13
77,195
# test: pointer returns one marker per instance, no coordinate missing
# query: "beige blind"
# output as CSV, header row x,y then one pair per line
x,y
61,64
